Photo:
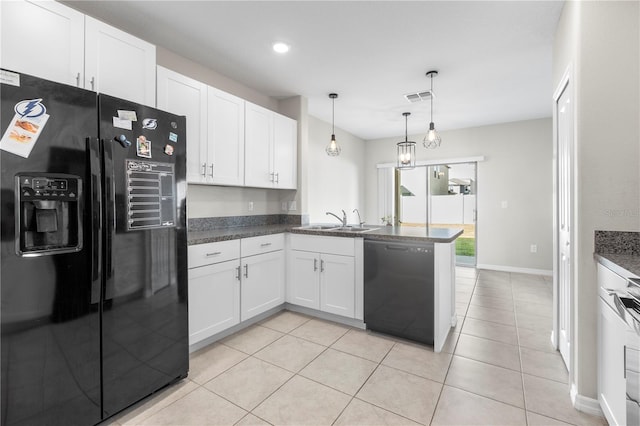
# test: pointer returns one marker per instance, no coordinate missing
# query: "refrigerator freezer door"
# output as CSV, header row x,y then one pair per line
x,y
145,328
50,316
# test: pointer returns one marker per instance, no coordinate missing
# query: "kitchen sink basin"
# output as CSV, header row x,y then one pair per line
x,y
355,228
338,228
319,227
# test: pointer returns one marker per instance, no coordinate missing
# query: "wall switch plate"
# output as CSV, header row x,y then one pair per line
x,y
534,248
250,206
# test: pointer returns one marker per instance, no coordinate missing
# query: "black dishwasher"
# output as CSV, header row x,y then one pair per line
x,y
398,289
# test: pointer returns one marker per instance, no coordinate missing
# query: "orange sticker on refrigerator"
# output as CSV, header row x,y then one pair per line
x,y
25,127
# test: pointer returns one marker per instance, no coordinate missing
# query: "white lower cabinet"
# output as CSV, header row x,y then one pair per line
x,y
214,288
214,299
322,280
303,282
612,338
337,284
262,283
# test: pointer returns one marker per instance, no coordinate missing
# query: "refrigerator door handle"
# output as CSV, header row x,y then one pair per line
x,y
109,207
94,201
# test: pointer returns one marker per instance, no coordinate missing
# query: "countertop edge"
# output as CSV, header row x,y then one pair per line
x,y
615,267
256,231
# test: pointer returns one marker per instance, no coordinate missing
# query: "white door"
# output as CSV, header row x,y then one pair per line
x,y
214,299
226,138
285,159
119,64
303,279
564,129
262,283
258,150
44,39
182,95
337,284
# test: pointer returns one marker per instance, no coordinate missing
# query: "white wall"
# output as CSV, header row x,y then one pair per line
x,y
517,169
334,183
600,40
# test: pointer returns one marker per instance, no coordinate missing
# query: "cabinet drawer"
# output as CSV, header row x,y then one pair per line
x,y
207,254
344,246
262,244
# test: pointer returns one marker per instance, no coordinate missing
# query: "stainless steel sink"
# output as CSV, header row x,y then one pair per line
x,y
355,228
338,228
319,227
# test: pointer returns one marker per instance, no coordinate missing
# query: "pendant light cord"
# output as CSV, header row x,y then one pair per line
x,y
406,135
333,116
431,100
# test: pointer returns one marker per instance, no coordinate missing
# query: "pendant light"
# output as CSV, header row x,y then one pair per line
x,y
406,149
333,150
432,140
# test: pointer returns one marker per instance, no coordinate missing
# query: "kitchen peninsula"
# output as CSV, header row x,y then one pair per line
x,y
317,270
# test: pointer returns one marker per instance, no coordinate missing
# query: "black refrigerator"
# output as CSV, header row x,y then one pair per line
x,y
93,300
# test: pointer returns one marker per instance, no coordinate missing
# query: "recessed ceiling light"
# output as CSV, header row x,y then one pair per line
x,y
280,47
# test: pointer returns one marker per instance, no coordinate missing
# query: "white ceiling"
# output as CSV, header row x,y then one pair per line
x,y
493,57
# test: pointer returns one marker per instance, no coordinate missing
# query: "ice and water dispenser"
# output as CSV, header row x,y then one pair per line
x,y
48,214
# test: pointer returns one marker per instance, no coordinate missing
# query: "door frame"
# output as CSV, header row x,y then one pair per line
x,y
567,81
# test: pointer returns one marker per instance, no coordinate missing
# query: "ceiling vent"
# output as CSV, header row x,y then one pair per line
x,y
424,95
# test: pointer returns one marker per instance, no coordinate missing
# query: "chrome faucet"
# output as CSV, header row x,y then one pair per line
x,y
359,218
344,217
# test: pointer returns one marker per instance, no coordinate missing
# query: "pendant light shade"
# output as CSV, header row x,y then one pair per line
x,y
333,149
406,149
432,140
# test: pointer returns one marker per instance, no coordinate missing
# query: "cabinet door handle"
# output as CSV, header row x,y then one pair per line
x,y
265,244
238,273
246,270
78,80
215,253
204,169
315,265
624,361
277,177
93,83
272,178
211,167
322,266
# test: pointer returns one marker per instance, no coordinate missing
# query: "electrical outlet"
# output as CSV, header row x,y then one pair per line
x,y
292,206
284,206
504,204
250,206
534,248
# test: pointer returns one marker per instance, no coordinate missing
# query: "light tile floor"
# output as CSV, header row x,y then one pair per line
x,y
498,368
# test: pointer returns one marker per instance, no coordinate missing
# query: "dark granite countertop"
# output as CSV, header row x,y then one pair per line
x,y
625,265
435,235
233,233
618,251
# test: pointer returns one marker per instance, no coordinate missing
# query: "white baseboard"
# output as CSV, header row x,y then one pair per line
x,y
585,404
502,268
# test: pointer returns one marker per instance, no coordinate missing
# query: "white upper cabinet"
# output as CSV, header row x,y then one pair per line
x,y
270,149
44,39
225,159
119,64
285,150
57,43
182,95
258,141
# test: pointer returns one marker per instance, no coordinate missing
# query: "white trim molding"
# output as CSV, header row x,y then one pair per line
x,y
503,268
585,404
